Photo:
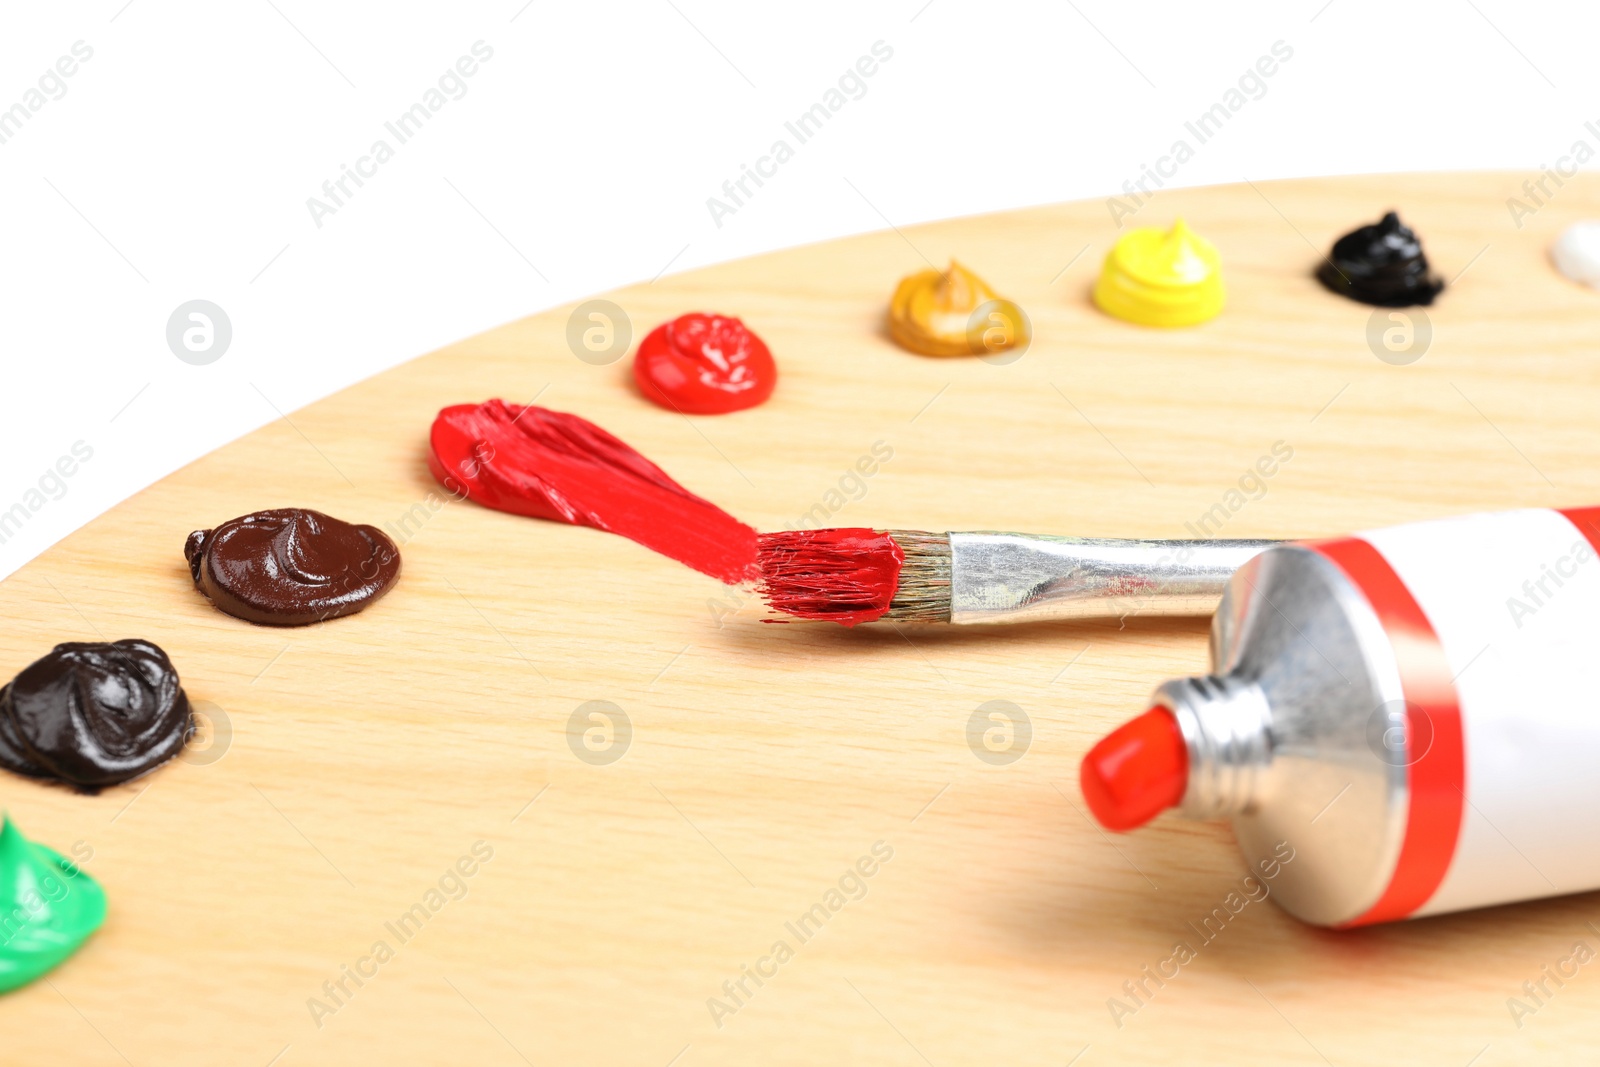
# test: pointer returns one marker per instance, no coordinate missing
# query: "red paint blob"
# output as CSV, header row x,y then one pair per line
x,y
1137,771
845,576
704,365
551,465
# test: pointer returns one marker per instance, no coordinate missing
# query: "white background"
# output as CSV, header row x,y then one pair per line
x,y
178,163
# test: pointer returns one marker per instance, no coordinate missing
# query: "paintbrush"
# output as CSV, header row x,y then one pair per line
x,y
857,575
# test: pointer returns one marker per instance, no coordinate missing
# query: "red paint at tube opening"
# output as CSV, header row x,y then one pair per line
x,y
1137,771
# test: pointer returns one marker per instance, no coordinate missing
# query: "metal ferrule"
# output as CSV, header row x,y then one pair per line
x,y
1005,577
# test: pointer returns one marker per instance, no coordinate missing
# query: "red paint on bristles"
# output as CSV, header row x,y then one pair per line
x,y
844,576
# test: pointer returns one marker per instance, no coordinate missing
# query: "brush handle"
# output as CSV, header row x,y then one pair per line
x,y
1004,577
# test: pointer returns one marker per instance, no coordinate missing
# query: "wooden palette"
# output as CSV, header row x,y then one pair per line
x,y
761,763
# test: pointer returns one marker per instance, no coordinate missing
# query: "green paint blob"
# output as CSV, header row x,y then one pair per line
x,y
48,907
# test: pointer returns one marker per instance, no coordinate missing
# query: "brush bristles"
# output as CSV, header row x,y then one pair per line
x,y
855,575
924,592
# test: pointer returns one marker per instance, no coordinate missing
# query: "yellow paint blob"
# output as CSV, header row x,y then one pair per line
x,y
954,313
1160,277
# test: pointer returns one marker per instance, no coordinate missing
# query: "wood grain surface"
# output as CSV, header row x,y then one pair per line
x,y
760,763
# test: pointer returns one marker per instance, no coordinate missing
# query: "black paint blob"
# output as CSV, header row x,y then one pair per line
x,y
1380,264
94,714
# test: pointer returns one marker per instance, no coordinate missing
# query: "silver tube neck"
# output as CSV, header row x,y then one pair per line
x,y
1226,725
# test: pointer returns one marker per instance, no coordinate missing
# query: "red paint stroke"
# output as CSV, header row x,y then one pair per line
x,y
845,576
552,465
704,365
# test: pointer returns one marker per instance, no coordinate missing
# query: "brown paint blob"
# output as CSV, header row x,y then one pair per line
x,y
291,566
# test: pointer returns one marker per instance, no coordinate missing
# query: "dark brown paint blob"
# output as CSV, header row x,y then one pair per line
x,y
94,714
291,566
1381,264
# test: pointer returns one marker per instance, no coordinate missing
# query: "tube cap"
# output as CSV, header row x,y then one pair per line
x,y
1137,771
